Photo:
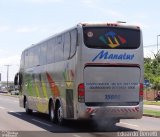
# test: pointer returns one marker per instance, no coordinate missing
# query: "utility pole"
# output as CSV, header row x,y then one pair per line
x,y
7,73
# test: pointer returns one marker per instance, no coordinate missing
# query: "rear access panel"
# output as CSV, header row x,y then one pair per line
x,y
111,84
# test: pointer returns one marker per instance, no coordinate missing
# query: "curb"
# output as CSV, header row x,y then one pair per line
x,y
151,116
4,94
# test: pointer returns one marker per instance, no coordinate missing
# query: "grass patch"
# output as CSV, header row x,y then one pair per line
x,y
152,113
152,103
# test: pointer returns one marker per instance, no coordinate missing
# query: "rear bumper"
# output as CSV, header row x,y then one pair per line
x,y
116,112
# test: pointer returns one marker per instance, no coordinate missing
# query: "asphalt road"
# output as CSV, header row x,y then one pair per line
x,y
14,118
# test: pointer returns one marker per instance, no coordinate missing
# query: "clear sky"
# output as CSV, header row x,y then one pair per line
x,y
25,22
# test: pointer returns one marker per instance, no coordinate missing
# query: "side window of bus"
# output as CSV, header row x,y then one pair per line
x,y
67,44
50,50
58,54
43,51
33,57
36,52
26,58
30,57
73,42
22,62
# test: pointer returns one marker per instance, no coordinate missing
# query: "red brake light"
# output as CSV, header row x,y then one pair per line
x,y
141,91
81,92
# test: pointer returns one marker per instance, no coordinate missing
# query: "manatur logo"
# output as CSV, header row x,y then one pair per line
x,y
113,56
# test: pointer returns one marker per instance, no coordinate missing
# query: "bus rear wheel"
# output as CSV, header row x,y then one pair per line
x,y
59,115
52,112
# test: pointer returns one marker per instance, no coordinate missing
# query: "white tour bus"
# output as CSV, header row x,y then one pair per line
x,y
89,71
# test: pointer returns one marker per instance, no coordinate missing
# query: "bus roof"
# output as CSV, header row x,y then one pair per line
x,y
88,24
118,24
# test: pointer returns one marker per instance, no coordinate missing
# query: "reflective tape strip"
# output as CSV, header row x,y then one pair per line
x,y
126,110
90,110
130,110
133,110
137,109
111,110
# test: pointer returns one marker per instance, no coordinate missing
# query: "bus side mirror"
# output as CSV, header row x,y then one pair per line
x,y
16,80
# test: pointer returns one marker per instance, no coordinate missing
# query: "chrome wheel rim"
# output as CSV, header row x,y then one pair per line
x,y
52,113
60,114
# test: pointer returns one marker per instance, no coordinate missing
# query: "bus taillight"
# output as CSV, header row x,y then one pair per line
x,y
141,91
81,92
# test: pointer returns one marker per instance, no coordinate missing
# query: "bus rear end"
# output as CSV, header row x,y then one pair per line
x,y
112,63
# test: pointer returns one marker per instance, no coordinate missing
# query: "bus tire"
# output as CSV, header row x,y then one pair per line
x,y
28,111
52,112
59,115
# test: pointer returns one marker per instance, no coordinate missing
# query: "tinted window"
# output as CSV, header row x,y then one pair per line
x,y
110,37
50,50
33,56
26,58
30,57
66,45
22,62
73,42
43,53
58,52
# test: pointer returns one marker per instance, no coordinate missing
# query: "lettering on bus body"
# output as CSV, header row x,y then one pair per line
x,y
113,56
112,97
112,85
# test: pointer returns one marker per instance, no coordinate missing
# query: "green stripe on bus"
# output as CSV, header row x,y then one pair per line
x,y
44,90
37,91
30,88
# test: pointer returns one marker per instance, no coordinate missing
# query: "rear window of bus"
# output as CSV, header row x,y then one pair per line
x,y
111,38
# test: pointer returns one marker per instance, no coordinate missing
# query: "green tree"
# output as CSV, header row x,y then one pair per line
x,y
152,70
